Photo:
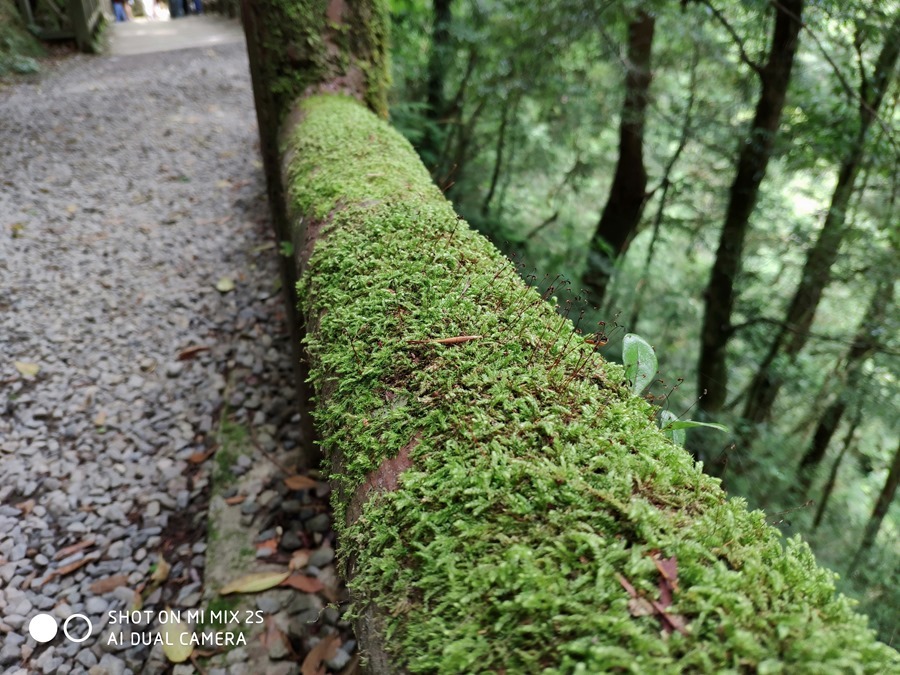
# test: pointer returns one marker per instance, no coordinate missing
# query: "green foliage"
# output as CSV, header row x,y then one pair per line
x,y
561,63
536,478
639,359
19,49
640,362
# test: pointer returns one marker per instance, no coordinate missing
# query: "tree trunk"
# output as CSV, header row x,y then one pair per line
x,y
879,512
751,168
864,344
628,193
443,502
283,66
665,184
435,95
817,271
509,109
832,475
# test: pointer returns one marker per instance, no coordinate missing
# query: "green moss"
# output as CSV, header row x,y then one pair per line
x,y
537,478
303,49
219,606
232,437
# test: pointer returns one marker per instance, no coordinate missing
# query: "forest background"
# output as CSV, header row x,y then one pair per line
x,y
721,178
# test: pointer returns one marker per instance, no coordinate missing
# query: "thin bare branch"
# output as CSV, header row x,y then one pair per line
x,y
745,57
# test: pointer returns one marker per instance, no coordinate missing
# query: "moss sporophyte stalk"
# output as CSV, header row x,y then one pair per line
x,y
534,480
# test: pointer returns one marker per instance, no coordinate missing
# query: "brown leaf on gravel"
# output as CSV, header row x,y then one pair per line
x,y
71,567
191,352
299,560
254,582
100,419
201,456
266,548
303,583
237,499
300,483
109,584
74,548
272,635
314,663
26,506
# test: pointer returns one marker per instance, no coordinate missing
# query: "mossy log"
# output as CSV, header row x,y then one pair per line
x,y
503,503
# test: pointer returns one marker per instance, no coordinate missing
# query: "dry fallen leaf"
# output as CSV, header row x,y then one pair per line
x,y
27,369
26,506
177,641
272,635
668,568
100,419
300,482
299,560
74,548
266,548
109,584
455,340
641,607
191,352
254,583
314,663
201,456
71,567
237,499
161,573
303,583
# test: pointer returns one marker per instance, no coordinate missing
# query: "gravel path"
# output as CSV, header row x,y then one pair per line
x,y
130,188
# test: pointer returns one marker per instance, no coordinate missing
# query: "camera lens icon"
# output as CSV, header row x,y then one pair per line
x,y
44,627
88,628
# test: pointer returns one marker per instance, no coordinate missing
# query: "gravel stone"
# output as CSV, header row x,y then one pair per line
x,y
127,222
321,556
319,523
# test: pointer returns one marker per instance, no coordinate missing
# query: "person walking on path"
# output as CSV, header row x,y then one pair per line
x,y
119,10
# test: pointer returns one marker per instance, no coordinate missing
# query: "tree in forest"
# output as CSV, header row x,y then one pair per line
x,y
882,504
865,343
18,47
436,109
794,330
753,159
628,194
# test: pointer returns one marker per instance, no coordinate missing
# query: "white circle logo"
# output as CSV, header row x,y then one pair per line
x,y
43,628
87,633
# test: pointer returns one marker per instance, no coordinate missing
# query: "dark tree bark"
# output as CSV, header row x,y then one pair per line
x,y
665,184
628,193
879,512
753,160
509,110
816,275
835,466
435,96
285,65
864,344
